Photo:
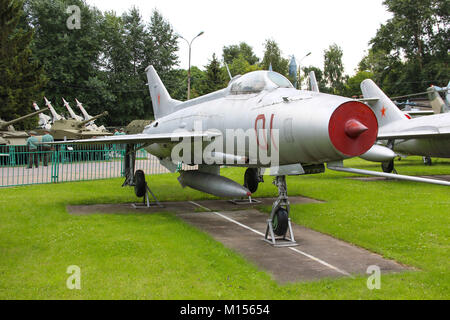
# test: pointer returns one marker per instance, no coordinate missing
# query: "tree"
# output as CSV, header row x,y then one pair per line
x,y
334,69
321,81
415,45
353,86
232,52
161,48
272,56
215,78
70,57
21,77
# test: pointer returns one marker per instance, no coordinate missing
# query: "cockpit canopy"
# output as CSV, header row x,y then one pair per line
x,y
257,81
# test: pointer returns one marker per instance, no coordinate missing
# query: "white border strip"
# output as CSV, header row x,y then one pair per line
x,y
262,234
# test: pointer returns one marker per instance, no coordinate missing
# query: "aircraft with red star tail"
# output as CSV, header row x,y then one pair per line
x,y
427,136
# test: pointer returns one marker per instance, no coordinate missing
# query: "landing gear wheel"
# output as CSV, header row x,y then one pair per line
x,y
388,167
279,229
251,180
280,222
427,161
140,188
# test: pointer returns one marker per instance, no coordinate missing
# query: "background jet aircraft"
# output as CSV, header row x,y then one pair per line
x,y
312,129
438,104
424,136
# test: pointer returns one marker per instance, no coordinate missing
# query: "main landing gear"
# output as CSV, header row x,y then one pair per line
x,y
279,229
142,190
136,179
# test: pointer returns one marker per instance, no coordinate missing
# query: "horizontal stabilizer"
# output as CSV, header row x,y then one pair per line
x,y
415,134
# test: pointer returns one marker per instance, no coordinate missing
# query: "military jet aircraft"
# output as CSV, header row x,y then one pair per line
x,y
436,101
259,121
427,136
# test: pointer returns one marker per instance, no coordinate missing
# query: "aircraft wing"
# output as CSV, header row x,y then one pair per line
x,y
368,100
414,134
144,138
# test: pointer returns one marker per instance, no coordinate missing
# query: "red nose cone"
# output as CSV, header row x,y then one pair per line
x,y
354,128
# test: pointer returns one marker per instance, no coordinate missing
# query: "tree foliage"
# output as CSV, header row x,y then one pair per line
x,y
272,56
410,51
21,77
232,52
334,69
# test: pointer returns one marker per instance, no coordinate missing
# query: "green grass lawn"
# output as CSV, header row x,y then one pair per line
x,y
159,256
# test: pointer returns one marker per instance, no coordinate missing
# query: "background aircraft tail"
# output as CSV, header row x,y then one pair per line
x,y
437,103
162,103
385,110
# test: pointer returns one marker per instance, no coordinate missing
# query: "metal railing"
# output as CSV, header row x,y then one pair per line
x,y
20,166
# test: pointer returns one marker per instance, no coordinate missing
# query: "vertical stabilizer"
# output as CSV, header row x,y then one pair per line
x,y
162,103
447,98
313,86
437,103
385,110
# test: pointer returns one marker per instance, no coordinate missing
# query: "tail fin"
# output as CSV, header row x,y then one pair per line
x,y
313,82
436,101
447,98
162,103
385,110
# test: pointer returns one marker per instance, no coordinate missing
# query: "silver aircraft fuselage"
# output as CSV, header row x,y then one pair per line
x,y
310,125
435,146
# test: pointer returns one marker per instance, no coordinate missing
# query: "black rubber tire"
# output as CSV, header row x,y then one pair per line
x,y
251,179
388,167
139,184
280,222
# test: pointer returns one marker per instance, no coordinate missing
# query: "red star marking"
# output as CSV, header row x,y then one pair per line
x,y
383,112
159,99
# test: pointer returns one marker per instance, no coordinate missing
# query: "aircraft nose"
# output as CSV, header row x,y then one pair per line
x,y
354,128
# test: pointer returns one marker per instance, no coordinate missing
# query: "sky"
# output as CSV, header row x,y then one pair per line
x,y
299,27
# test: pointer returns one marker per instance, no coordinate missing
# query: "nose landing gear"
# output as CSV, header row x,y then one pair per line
x,y
279,229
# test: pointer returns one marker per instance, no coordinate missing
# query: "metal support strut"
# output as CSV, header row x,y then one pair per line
x,y
279,229
146,200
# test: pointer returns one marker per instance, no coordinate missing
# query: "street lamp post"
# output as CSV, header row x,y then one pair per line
x,y
300,70
189,69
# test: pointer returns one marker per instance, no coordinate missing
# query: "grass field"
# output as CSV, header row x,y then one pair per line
x,y
161,257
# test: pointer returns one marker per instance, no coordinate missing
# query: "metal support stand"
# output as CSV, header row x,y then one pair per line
x,y
248,201
286,240
146,200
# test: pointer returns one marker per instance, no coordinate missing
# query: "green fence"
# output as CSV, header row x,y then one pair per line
x,y
20,166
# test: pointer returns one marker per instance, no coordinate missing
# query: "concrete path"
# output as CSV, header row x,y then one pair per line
x,y
242,228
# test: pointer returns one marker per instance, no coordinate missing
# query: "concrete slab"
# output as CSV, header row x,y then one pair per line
x,y
242,228
317,256
176,206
